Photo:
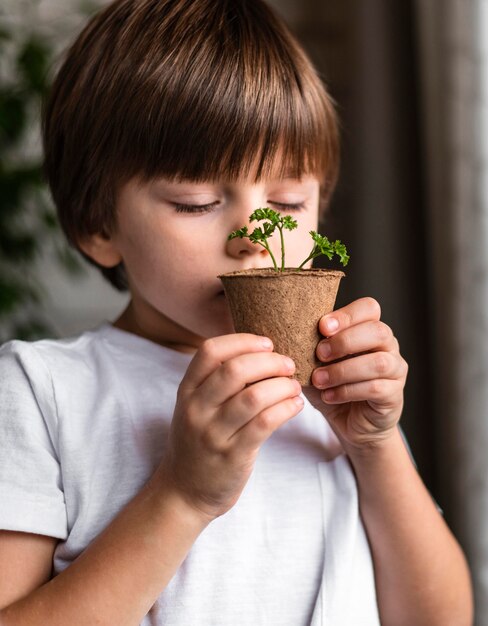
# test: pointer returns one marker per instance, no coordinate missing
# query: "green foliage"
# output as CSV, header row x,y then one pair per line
x,y
322,246
28,223
261,234
274,220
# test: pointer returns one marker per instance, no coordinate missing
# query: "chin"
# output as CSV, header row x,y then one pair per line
x,y
218,319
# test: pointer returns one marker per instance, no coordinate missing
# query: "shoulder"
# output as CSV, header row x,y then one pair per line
x,y
86,351
21,369
82,368
37,360
28,371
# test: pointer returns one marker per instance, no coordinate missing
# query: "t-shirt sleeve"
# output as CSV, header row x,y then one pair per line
x,y
31,490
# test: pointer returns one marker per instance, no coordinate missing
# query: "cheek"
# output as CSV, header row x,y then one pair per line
x,y
144,250
163,260
299,242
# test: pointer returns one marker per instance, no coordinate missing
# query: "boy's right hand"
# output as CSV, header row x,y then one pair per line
x,y
220,422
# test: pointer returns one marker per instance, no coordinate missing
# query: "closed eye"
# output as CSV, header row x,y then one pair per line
x,y
289,205
206,208
195,208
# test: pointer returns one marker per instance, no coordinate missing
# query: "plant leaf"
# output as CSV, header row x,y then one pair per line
x,y
289,222
265,214
241,233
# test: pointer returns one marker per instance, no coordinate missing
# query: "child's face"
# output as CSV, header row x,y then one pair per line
x,y
173,251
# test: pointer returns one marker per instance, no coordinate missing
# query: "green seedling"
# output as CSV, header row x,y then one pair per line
x,y
274,220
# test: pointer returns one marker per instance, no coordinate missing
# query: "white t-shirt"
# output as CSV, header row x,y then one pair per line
x,y
83,425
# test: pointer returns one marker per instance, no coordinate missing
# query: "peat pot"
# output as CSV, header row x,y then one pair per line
x,y
284,306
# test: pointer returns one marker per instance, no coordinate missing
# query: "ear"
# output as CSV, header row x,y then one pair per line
x,y
101,249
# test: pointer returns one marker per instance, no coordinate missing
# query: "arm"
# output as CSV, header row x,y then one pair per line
x,y
25,562
235,394
120,575
420,572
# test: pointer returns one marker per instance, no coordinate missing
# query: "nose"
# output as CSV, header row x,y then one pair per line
x,y
240,248
243,248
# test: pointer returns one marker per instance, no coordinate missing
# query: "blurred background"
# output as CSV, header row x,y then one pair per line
x,y
411,84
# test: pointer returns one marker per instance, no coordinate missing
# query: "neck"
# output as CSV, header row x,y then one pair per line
x,y
158,328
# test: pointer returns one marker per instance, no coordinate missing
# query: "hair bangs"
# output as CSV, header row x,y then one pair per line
x,y
241,101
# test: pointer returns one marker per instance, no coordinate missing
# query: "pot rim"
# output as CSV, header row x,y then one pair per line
x,y
270,272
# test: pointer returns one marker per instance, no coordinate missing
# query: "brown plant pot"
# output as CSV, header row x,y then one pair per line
x,y
284,306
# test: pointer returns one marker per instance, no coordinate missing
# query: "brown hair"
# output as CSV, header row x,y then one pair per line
x,y
195,89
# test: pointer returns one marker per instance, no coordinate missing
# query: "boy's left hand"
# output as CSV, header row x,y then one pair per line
x,y
366,387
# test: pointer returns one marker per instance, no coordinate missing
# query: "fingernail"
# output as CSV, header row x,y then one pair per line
x,y
289,364
321,378
331,324
324,350
298,401
266,343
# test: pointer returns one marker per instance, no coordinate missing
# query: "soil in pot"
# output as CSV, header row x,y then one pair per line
x,y
284,306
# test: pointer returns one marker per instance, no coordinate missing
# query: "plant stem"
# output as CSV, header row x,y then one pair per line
x,y
282,248
266,247
310,256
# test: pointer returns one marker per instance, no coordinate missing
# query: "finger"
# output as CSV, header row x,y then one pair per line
x,y
215,351
383,365
250,402
365,337
232,376
383,393
262,426
362,310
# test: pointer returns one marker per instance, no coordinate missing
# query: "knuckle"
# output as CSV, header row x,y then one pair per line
x,y
405,367
232,369
264,421
208,349
383,332
376,388
253,399
382,363
190,418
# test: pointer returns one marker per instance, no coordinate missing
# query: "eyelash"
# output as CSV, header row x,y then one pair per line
x,y
194,208
291,206
206,208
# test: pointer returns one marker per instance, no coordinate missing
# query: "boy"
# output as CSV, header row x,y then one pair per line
x,y
162,469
